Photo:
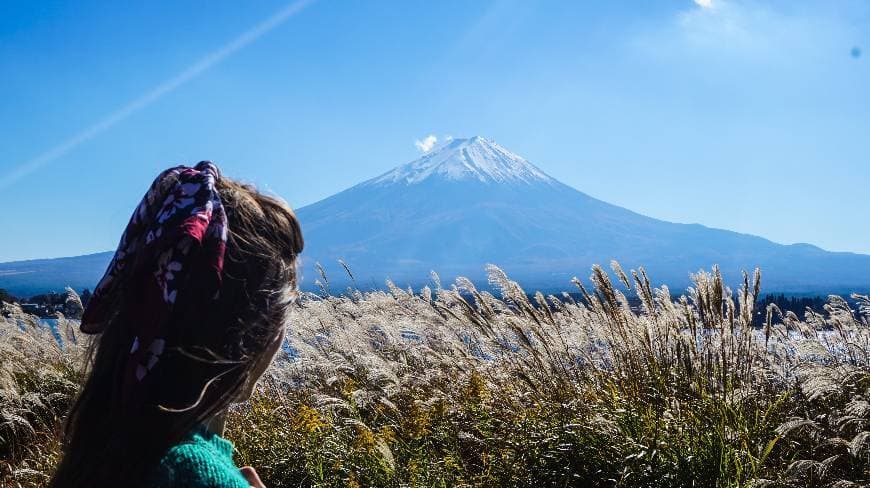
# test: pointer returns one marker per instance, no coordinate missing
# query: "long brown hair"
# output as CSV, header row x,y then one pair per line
x,y
108,442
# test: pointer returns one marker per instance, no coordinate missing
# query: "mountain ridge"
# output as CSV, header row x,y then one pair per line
x,y
400,225
470,202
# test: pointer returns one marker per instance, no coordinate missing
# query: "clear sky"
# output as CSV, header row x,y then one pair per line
x,y
746,115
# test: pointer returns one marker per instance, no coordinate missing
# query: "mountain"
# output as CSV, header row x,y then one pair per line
x,y
28,278
469,202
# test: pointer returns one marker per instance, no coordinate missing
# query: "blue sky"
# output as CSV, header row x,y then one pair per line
x,y
746,115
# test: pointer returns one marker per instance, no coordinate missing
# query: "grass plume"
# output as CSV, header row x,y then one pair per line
x,y
459,386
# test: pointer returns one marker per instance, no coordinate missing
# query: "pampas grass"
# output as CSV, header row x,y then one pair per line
x,y
457,386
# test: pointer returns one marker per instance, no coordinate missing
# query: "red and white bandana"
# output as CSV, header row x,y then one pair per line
x,y
173,248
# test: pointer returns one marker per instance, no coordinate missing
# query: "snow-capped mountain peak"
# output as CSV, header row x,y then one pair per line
x,y
475,158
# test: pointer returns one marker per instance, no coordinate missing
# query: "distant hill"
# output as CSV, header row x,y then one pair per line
x,y
469,202
28,278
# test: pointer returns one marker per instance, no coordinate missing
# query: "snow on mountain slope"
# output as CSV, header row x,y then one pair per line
x,y
461,159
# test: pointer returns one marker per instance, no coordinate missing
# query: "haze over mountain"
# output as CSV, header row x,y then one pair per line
x,y
468,202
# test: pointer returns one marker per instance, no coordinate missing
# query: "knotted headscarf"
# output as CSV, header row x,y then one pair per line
x,y
172,250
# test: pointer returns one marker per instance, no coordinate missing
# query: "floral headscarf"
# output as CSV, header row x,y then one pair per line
x,y
172,250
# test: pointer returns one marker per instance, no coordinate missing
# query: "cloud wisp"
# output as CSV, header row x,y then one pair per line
x,y
155,93
427,143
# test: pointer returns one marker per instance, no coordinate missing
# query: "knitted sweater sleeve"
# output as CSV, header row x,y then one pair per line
x,y
198,464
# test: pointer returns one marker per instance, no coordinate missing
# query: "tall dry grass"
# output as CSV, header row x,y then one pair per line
x,y
39,378
455,386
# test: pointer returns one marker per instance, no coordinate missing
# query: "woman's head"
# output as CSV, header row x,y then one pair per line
x,y
216,334
264,241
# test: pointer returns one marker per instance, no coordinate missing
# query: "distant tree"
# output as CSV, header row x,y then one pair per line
x,y
51,298
789,303
7,297
85,296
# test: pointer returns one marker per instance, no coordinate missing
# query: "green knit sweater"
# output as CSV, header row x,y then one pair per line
x,y
202,460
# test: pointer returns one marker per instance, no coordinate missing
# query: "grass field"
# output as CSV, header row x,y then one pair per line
x,y
452,386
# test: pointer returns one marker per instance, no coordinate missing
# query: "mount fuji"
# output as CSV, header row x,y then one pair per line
x,y
470,202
